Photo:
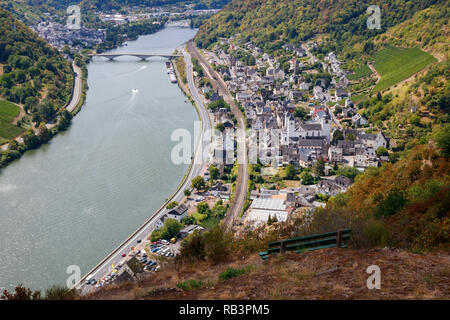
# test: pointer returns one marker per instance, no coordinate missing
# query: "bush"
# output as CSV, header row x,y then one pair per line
x,y
192,248
390,205
190,284
217,245
375,234
198,183
156,235
170,229
58,292
172,205
232,273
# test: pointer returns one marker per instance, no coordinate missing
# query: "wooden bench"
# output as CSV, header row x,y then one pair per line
x,y
308,243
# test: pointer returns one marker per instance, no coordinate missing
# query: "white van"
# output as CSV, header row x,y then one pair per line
x,y
89,278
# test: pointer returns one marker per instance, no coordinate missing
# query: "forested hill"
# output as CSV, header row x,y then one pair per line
x,y
32,72
272,23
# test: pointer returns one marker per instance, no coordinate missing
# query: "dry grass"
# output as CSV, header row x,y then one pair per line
x,y
323,274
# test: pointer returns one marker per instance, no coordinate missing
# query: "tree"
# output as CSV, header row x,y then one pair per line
x,y
319,167
349,172
43,133
220,126
203,208
289,172
30,140
156,235
198,183
307,179
188,220
219,210
21,293
300,112
170,229
442,137
46,110
172,205
187,192
390,205
217,245
337,135
350,137
192,247
382,151
213,172
415,120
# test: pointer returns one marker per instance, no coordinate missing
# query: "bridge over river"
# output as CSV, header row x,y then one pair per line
x,y
143,56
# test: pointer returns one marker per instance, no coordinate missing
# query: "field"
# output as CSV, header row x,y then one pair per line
x,y
397,64
8,111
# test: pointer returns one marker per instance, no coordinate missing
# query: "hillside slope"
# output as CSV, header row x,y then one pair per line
x,y
271,23
325,274
35,75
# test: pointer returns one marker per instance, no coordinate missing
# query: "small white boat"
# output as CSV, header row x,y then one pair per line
x,y
134,90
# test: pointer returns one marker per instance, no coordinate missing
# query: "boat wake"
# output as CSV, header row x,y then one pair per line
x,y
132,72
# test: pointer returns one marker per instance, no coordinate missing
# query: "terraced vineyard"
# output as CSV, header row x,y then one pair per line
x,y
397,64
8,111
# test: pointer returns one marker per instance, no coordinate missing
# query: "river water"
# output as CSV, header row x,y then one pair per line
x,y
74,200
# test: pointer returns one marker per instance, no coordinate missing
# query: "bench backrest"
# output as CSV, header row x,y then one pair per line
x,y
309,241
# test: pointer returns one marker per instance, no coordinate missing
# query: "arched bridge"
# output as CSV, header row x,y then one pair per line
x,y
143,56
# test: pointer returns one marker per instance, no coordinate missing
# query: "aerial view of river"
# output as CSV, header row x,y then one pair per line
x,y
74,200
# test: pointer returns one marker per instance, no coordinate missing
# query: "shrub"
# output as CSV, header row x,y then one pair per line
x,y
192,248
156,235
172,205
58,292
170,229
217,245
232,273
190,284
390,205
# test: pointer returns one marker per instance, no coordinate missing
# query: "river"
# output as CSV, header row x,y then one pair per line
x,y
74,200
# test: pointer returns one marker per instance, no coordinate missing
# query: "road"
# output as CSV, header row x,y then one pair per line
x,y
77,89
242,178
198,166
76,93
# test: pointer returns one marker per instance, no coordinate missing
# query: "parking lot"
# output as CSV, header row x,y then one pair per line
x,y
146,257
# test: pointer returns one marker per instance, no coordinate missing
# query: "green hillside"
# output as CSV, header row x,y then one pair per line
x,y
271,23
34,75
396,64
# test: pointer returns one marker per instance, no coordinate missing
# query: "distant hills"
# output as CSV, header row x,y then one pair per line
x,y
272,23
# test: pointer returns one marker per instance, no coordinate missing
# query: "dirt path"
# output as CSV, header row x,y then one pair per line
x,y
374,71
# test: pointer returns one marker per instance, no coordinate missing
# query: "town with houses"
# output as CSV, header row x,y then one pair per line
x,y
59,34
278,138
